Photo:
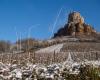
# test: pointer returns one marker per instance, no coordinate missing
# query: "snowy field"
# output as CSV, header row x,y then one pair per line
x,y
51,49
55,71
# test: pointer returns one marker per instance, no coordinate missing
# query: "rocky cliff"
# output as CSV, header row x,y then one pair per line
x,y
75,26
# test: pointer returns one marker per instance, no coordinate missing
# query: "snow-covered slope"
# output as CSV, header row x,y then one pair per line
x,y
51,49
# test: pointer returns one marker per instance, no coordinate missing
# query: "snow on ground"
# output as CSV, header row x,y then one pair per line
x,y
48,72
51,49
43,71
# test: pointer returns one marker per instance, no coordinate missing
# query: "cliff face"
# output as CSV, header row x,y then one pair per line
x,y
75,26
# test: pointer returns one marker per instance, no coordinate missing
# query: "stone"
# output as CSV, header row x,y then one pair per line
x,y
75,17
75,26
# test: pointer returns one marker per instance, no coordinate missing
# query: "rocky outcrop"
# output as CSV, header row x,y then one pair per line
x,y
75,26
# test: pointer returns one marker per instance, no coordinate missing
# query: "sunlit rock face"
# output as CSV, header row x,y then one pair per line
x,y
75,26
75,17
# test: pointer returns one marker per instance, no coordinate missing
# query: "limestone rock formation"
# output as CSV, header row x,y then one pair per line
x,y
75,26
75,17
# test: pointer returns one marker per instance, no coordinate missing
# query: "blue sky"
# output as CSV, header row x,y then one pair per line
x,y
24,14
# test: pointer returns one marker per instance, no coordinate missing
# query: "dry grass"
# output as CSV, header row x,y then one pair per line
x,y
48,58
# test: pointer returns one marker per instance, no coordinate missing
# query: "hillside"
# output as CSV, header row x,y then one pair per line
x,y
76,37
